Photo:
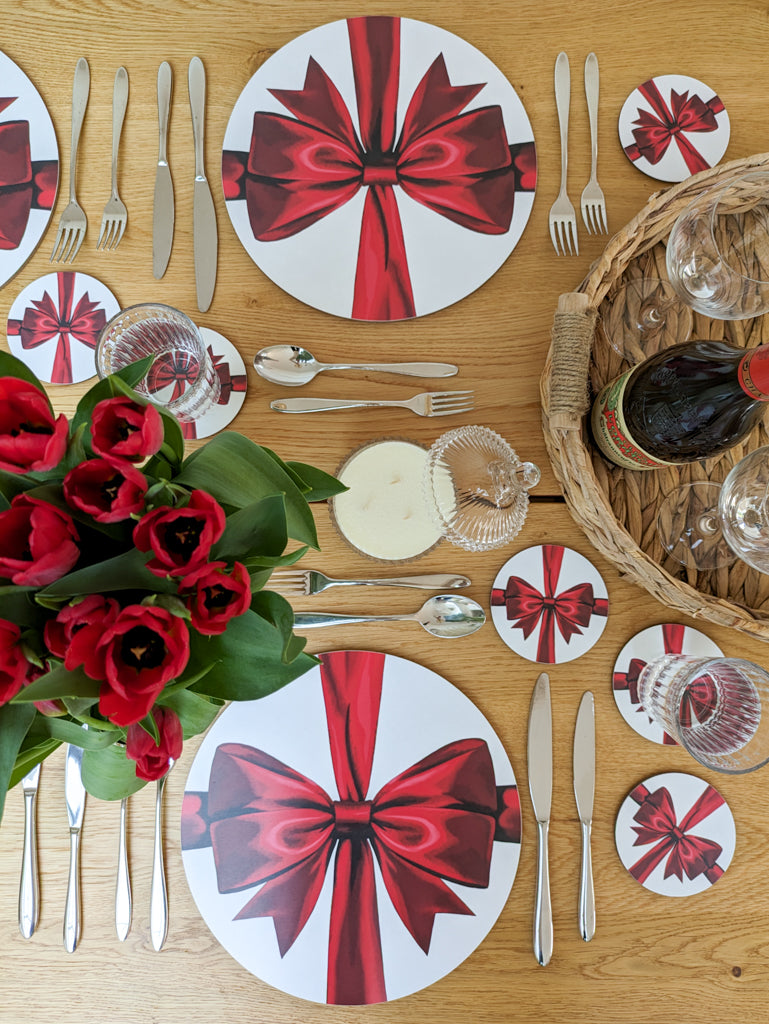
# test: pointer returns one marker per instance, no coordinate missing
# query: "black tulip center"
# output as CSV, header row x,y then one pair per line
x,y
142,648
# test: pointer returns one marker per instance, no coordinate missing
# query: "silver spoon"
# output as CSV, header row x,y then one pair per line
x,y
292,366
447,615
158,889
123,881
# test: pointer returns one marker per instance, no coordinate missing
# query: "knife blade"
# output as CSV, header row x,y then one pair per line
x,y
29,891
540,764
74,792
163,207
584,793
205,238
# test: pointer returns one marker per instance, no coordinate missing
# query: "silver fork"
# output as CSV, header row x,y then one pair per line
x,y
115,215
563,219
593,203
73,223
430,403
304,582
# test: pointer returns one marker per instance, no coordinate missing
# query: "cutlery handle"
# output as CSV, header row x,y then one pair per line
x,y
543,914
591,92
327,404
406,369
309,620
197,86
80,90
123,905
586,891
164,105
429,581
72,906
158,890
29,889
562,96
119,104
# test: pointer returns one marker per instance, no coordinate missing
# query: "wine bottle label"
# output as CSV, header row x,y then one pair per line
x,y
753,373
611,432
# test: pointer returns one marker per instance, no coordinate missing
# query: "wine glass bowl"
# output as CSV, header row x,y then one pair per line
x,y
743,509
644,315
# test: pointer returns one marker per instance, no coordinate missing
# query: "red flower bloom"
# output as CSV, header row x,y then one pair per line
x,y
123,429
180,538
216,596
94,611
135,656
110,491
30,438
13,663
37,542
152,759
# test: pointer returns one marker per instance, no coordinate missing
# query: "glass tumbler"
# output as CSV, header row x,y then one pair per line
x,y
182,377
712,706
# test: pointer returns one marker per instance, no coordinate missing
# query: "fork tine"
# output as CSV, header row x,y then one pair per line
x,y
120,230
77,241
66,244
573,234
604,224
554,238
101,238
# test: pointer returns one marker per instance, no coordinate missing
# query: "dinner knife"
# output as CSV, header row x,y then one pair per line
x,y
163,209
205,238
540,763
584,792
74,791
29,888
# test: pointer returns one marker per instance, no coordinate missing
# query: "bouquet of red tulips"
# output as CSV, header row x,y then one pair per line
x,y
132,596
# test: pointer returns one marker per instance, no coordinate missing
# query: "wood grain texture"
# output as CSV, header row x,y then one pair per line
x,y
653,959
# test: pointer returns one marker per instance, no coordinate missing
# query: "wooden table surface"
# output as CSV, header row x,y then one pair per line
x,y
652,959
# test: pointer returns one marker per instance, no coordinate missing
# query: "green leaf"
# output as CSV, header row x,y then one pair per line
x,y
321,485
65,731
278,612
59,682
195,711
17,605
28,757
247,660
15,721
123,572
10,366
109,775
12,484
257,529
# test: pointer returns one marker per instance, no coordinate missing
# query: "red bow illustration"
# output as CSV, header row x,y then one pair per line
x,y
657,130
24,184
269,825
300,169
229,384
48,318
572,609
657,823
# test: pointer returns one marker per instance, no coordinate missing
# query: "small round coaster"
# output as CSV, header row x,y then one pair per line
x,y
55,322
644,647
232,377
549,604
672,126
675,834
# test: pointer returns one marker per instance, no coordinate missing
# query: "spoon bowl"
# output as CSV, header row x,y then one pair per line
x,y
445,615
292,366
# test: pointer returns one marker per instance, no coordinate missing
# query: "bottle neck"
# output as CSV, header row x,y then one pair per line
x,y
753,373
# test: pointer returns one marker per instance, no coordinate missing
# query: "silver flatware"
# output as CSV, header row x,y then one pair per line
x,y
115,216
158,888
292,366
163,206
593,203
205,237
123,904
563,219
446,616
584,793
298,582
429,403
73,223
540,765
74,791
29,888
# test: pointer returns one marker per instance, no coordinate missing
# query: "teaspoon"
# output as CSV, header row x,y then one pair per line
x,y
158,889
446,615
292,366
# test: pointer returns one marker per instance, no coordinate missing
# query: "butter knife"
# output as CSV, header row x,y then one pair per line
x,y
74,791
540,764
163,208
204,232
584,792
29,889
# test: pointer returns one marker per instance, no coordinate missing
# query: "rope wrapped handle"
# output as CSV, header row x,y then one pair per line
x,y
572,337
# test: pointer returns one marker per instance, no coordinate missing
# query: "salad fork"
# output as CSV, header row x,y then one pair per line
x,y
429,403
593,202
115,215
73,223
305,582
563,219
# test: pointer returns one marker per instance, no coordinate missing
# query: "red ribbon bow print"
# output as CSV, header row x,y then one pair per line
x,y
269,825
49,318
457,163
24,184
657,130
527,608
657,823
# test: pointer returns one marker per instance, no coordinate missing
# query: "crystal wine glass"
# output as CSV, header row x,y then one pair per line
x,y
645,315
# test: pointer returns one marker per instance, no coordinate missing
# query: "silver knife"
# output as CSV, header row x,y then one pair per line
x,y
75,795
204,215
540,763
29,889
584,792
163,209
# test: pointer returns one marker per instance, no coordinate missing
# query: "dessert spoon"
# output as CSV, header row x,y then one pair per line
x,y
446,615
291,365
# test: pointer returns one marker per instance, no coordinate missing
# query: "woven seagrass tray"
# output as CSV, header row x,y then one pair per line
x,y
617,508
